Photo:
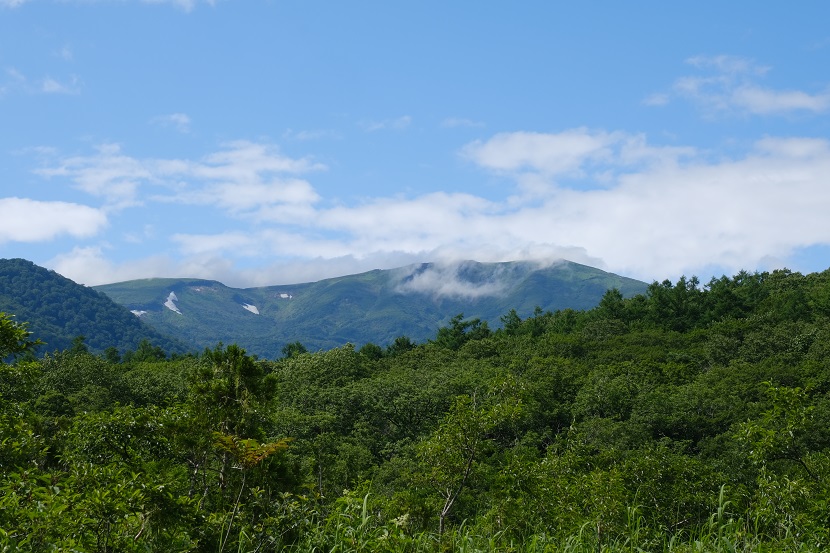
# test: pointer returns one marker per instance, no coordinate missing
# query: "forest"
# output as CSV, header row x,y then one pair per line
x,y
694,417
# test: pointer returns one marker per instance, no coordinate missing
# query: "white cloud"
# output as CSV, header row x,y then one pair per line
x,y
26,220
657,99
178,121
239,178
455,122
109,174
728,65
670,218
319,134
53,86
244,178
65,53
397,124
89,266
448,280
552,154
200,244
12,3
19,82
671,214
184,5
764,102
730,84
660,211
593,157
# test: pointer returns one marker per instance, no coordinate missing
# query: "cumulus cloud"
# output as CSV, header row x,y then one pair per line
x,y
651,220
552,154
664,211
90,265
27,220
658,211
727,84
671,218
583,157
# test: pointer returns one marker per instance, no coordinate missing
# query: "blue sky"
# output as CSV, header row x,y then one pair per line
x,y
265,142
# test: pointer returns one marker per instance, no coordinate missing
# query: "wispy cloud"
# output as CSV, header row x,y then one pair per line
x,y
108,174
177,121
448,280
53,86
65,53
661,211
20,82
456,122
243,177
397,124
184,5
12,3
731,84
318,134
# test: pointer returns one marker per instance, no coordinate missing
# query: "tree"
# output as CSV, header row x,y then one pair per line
x,y
14,338
511,322
293,349
79,345
111,355
460,331
401,345
612,304
145,352
372,351
451,453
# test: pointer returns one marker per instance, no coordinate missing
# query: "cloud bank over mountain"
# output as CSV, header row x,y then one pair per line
x,y
262,142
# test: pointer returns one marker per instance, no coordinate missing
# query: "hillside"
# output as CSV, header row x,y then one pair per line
x,y
376,306
58,310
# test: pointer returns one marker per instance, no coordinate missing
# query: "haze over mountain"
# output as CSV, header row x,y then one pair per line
x,y
376,306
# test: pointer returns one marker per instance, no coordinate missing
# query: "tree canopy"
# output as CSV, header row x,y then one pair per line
x,y
694,417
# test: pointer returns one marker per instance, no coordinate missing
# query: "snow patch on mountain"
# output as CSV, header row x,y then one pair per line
x,y
171,303
252,308
138,313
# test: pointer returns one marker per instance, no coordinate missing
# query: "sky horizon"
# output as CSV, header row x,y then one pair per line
x,y
275,142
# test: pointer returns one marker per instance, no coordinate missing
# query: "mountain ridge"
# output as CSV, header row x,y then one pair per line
x,y
374,306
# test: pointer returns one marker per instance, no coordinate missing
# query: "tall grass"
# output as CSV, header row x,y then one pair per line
x,y
353,528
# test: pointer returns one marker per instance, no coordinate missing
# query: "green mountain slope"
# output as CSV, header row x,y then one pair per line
x,y
58,310
376,306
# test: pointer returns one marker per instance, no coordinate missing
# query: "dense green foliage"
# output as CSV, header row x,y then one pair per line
x,y
58,310
377,306
689,418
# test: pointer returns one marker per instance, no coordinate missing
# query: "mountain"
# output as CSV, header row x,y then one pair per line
x,y
57,310
376,306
